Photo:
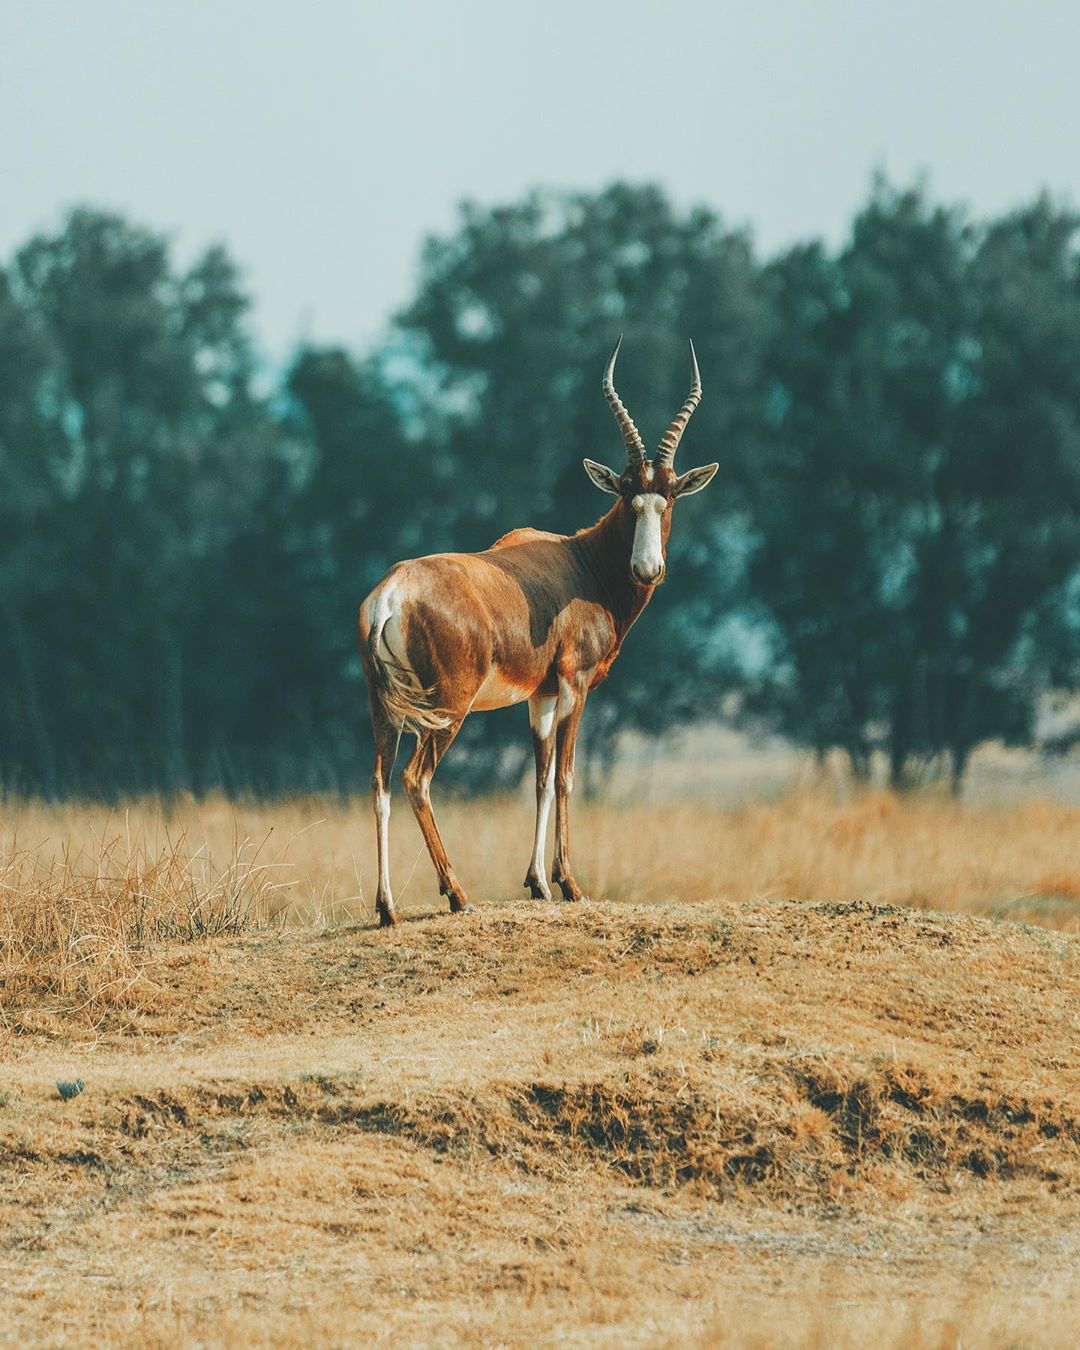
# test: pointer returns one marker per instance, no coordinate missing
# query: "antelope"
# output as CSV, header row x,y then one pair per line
x,y
536,618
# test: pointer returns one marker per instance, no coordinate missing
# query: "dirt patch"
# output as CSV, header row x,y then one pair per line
x,y
806,1132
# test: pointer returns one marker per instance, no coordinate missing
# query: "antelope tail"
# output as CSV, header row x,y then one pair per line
x,y
407,704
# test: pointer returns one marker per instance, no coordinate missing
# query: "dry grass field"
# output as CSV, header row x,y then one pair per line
x,y
801,1074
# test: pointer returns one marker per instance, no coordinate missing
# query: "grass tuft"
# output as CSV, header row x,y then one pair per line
x,y
79,916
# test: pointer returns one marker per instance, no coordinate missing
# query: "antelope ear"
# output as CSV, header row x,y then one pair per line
x,y
607,480
694,480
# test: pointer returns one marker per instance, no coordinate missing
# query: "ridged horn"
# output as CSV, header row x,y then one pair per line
x,y
635,446
670,442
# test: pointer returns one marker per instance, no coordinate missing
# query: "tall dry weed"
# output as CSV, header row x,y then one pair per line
x,y
77,920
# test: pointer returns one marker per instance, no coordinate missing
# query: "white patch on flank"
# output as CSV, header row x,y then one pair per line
x,y
647,557
497,692
386,621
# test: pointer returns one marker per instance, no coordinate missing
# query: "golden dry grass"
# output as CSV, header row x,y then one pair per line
x,y
84,886
829,1097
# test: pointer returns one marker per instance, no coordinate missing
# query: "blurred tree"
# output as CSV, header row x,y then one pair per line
x,y
34,466
167,453
917,507
515,316
1009,494
888,559
362,502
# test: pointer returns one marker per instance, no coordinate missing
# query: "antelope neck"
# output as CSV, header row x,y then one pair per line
x,y
604,549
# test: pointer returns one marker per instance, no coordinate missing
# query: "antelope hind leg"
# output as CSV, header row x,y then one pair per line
x,y
416,777
387,737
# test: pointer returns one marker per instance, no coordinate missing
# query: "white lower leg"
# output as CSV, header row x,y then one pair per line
x,y
538,866
384,896
542,720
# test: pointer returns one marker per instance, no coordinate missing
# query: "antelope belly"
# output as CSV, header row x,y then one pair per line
x,y
498,692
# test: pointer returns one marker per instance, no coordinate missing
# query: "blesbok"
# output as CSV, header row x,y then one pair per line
x,y
537,617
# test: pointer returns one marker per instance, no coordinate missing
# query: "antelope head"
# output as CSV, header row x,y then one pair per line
x,y
648,488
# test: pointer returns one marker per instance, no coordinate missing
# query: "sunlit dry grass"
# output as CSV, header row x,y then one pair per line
x,y
86,889
313,859
81,907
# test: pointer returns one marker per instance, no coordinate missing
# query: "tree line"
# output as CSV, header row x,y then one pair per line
x,y
888,559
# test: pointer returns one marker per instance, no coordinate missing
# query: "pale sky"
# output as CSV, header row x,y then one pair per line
x,y
322,141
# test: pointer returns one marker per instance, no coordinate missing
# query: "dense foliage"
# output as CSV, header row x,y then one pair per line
x,y
888,559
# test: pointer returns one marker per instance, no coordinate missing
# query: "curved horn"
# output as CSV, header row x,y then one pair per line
x,y
670,442
635,446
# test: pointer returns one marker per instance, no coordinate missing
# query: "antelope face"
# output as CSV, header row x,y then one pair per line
x,y
648,488
647,494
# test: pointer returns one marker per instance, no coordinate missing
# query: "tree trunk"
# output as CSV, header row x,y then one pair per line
x,y
958,767
40,737
859,759
900,736
172,681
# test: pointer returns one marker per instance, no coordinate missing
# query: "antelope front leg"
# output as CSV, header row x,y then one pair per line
x,y
565,742
542,720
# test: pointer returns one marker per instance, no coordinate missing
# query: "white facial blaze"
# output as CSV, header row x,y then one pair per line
x,y
647,558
